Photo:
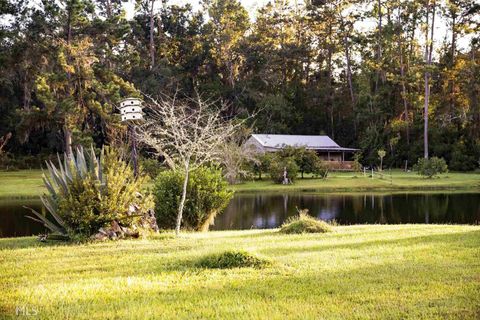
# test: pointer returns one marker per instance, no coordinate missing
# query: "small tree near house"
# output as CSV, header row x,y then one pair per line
x,y
381,154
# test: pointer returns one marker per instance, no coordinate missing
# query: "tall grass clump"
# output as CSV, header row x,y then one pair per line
x,y
304,223
232,259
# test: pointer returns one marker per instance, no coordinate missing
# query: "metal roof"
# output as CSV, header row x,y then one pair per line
x,y
310,142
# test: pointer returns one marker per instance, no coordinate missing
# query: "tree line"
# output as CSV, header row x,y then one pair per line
x,y
309,68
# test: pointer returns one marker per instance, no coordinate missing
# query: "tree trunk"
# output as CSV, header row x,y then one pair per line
x,y
428,60
27,95
402,76
452,65
349,79
152,44
330,93
182,200
67,136
379,46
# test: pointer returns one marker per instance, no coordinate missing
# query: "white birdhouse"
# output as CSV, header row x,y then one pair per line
x,y
131,109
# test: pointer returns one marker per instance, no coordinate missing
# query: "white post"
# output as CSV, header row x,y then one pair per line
x,y
285,179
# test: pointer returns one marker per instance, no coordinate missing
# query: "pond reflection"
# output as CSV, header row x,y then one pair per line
x,y
269,210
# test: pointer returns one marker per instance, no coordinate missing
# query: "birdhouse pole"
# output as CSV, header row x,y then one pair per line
x,y
131,113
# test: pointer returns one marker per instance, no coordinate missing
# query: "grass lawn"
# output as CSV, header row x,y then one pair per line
x,y
21,184
354,182
28,183
355,272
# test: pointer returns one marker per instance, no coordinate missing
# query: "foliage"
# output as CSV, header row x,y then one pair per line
x,y
319,169
232,259
236,157
462,159
304,223
86,193
357,166
381,154
188,133
307,69
150,167
306,160
10,161
261,164
431,167
279,164
207,196
296,160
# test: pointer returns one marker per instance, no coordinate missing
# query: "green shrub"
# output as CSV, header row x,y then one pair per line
x,y
87,193
278,165
356,165
306,160
261,164
150,167
320,169
232,259
207,196
303,223
11,162
309,162
295,159
430,167
462,159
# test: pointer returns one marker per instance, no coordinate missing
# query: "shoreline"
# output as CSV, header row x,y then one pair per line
x,y
28,185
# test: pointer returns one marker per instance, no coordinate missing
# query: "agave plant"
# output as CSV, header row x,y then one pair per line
x,y
87,194
58,185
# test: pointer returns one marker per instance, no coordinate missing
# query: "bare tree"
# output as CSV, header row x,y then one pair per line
x,y
187,133
235,153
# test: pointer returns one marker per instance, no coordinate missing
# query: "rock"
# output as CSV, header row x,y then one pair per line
x,y
99,236
116,231
115,227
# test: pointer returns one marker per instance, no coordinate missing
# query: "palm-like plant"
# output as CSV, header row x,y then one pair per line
x,y
78,165
80,198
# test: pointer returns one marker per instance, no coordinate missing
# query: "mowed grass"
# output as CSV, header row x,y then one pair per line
x,y
354,272
21,184
28,183
355,181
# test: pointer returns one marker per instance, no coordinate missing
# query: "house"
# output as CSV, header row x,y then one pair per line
x,y
326,148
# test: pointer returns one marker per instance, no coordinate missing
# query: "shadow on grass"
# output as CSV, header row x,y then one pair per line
x,y
473,238
31,242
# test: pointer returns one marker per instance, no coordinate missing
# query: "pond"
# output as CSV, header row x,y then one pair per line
x,y
269,210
